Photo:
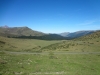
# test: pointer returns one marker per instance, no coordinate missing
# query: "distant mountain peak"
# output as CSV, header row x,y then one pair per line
x,y
64,34
5,26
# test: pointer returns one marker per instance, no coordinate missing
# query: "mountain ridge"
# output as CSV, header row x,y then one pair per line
x,y
94,35
26,32
77,33
19,31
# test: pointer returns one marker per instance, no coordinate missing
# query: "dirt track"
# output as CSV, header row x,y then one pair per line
x,y
53,52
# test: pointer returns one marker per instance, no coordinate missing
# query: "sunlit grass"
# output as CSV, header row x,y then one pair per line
x,y
12,44
70,64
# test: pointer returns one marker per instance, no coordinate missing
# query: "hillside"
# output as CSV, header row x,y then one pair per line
x,y
84,44
76,34
45,37
90,36
27,33
28,45
18,31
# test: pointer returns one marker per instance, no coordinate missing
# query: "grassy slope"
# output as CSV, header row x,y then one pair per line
x,y
95,35
75,46
84,44
12,44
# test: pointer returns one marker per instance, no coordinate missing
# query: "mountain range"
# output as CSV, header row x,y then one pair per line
x,y
25,32
76,34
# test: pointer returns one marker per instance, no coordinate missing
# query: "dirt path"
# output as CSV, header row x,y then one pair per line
x,y
53,52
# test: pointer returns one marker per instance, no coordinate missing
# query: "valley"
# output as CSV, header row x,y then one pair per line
x,y
28,56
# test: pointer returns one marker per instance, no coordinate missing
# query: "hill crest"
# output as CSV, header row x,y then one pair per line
x,y
19,31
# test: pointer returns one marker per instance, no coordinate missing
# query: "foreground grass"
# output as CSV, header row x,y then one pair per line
x,y
51,64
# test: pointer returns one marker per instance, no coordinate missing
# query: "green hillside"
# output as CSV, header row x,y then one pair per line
x,y
84,44
12,44
27,33
90,36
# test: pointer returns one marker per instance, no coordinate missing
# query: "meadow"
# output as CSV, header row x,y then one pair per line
x,y
42,57
28,45
49,64
33,45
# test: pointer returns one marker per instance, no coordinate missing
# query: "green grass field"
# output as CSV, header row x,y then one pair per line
x,y
75,46
33,45
57,57
51,64
12,44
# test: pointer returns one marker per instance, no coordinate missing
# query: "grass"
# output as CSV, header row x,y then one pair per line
x,y
49,63
33,45
75,46
11,44
32,64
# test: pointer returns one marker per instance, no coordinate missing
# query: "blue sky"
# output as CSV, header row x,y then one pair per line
x,y
51,16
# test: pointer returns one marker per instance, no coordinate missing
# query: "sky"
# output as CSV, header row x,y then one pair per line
x,y
51,16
